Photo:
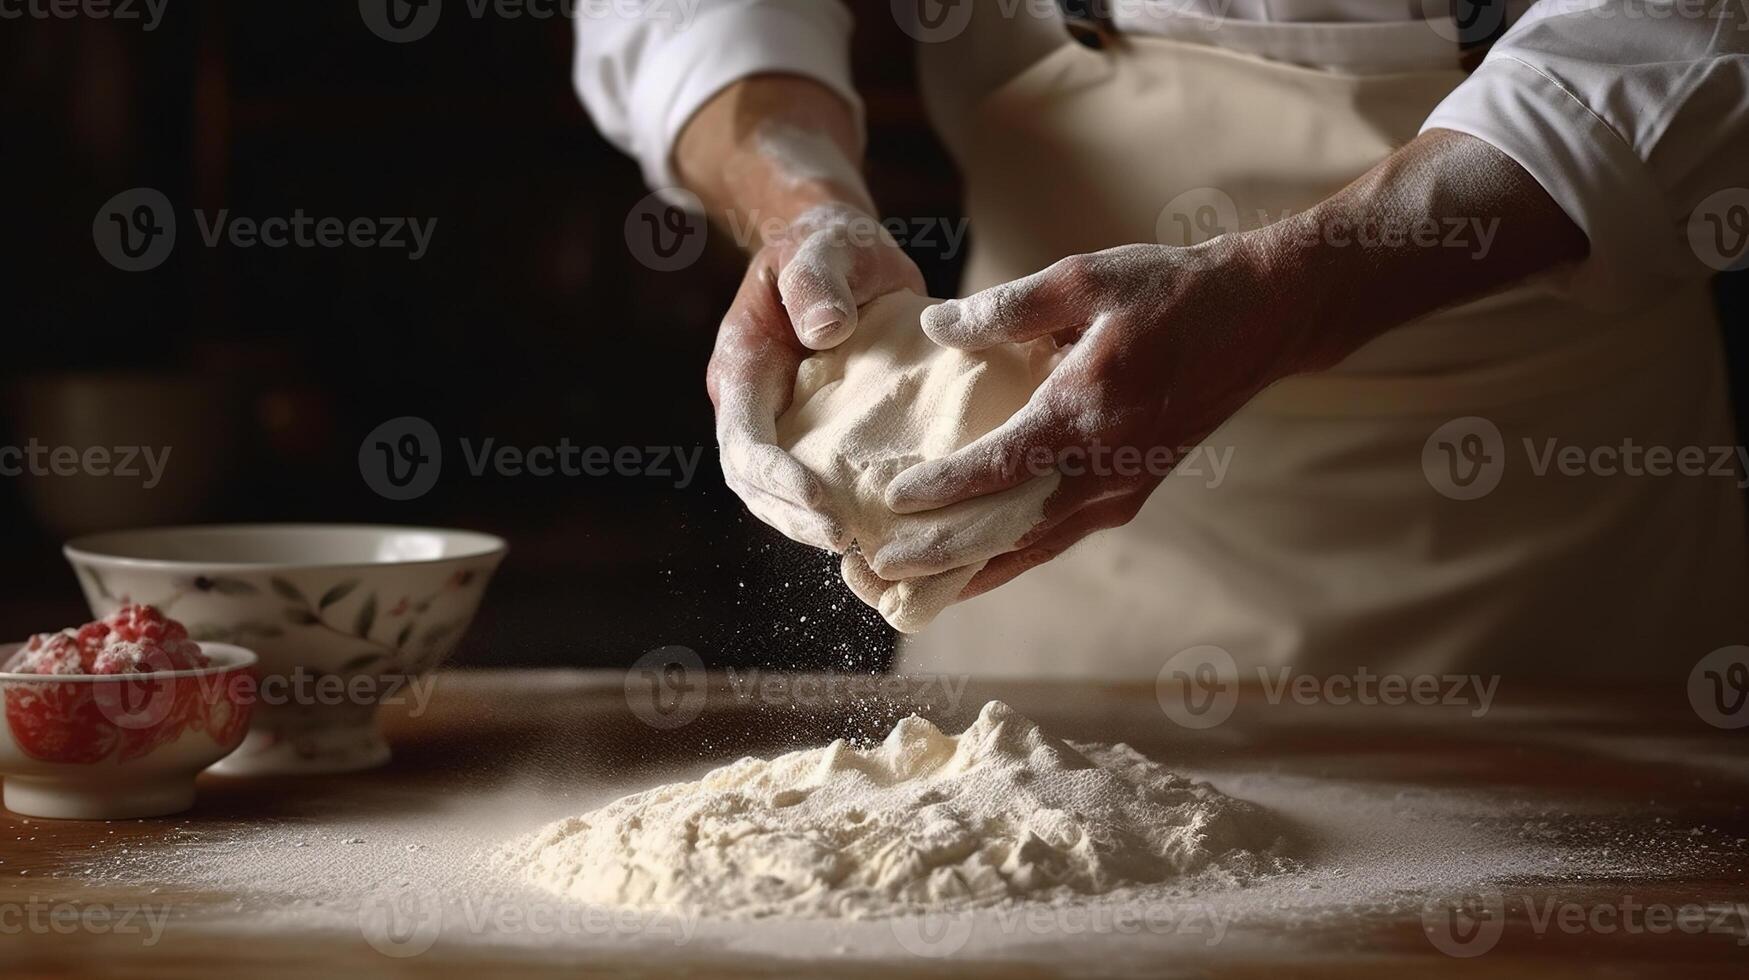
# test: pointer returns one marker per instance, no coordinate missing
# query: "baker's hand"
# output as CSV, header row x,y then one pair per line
x,y
1169,342
1163,345
801,292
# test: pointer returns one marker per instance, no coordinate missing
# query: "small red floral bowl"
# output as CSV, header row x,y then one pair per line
x,y
115,746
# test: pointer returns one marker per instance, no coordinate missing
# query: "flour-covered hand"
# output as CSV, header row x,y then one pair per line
x,y
1162,345
801,293
1166,343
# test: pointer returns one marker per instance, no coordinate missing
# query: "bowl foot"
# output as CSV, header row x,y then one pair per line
x,y
307,751
62,800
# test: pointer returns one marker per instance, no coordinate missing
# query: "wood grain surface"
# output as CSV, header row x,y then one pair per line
x,y
1667,770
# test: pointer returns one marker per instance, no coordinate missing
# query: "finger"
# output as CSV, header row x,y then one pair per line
x,y
770,469
753,381
809,526
913,604
751,375
1055,539
1040,305
978,531
816,292
862,580
910,605
1005,457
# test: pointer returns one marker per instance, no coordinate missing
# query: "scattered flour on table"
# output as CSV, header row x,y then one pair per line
x,y
922,822
889,398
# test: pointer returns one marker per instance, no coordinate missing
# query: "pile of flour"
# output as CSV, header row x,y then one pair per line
x,y
889,398
922,822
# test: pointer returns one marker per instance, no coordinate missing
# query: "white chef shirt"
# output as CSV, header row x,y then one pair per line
x,y
1630,113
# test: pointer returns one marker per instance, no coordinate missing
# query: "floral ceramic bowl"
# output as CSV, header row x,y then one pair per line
x,y
108,747
345,617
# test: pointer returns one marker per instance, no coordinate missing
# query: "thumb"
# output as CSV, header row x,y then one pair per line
x,y
817,295
1039,305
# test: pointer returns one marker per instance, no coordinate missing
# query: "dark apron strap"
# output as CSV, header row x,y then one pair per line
x,y
1479,22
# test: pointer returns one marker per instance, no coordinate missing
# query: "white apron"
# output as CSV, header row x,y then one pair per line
x,y
1325,545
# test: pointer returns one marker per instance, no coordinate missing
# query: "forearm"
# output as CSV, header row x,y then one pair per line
x,y
1445,219
768,149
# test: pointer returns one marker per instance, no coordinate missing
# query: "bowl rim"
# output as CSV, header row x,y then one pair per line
x,y
81,548
239,658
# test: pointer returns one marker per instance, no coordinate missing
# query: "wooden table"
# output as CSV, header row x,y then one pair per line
x,y
1639,765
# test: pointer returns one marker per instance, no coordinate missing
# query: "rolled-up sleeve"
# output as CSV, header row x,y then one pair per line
x,y
643,72
1631,114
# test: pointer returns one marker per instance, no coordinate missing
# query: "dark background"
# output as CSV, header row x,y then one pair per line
x,y
528,320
